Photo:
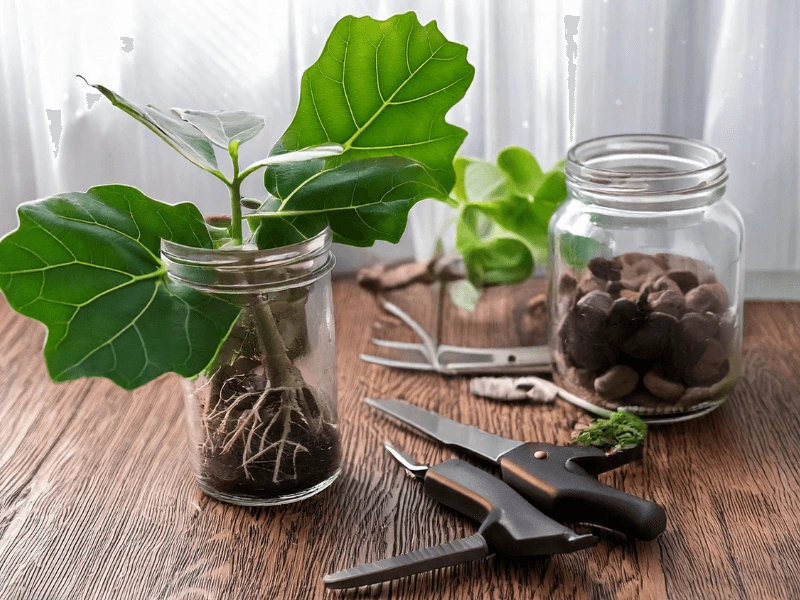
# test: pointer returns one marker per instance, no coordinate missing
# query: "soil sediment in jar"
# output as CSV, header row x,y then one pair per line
x,y
650,331
265,432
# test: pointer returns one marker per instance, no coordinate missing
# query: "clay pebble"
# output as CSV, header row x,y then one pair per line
x,y
708,297
598,300
663,284
669,302
590,283
652,339
605,268
585,340
686,280
710,367
663,388
639,268
617,382
690,338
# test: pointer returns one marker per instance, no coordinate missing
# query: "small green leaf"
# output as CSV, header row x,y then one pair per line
x,y
381,89
310,153
490,257
179,134
459,191
222,127
515,214
552,188
501,261
518,200
361,201
523,173
86,264
220,236
578,250
250,203
464,295
484,182
621,431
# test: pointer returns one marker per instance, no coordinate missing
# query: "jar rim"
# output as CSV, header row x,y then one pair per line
x,y
232,256
245,270
646,171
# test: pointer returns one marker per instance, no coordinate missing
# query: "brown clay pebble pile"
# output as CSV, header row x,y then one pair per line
x,y
644,330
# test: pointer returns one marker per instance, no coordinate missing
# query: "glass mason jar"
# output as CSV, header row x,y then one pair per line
x,y
262,417
645,282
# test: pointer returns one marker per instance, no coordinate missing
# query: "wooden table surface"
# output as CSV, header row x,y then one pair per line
x,y
97,499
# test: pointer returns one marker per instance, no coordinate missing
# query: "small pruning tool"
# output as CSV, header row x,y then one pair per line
x,y
559,480
509,525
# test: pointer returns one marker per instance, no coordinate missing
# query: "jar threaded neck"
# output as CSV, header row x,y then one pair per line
x,y
646,172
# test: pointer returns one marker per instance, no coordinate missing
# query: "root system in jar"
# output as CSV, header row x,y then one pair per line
x,y
266,433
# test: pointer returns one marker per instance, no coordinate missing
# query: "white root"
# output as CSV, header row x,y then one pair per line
x,y
256,433
259,423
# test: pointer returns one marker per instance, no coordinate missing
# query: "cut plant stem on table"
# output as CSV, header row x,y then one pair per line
x,y
88,264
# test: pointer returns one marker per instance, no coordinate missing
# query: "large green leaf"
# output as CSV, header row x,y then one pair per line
x,y
381,89
361,201
86,264
516,200
223,127
189,141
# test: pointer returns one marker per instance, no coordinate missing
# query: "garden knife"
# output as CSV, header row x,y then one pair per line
x,y
510,525
559,480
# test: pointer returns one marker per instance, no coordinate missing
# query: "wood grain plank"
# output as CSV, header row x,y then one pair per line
x,y
97,498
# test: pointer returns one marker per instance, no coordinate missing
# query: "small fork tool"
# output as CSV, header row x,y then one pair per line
x,y
428,355
509,525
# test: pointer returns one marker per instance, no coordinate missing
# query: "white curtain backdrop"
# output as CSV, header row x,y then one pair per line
x,y
727,72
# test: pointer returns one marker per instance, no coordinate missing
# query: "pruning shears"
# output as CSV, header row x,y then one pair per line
x,y
540,484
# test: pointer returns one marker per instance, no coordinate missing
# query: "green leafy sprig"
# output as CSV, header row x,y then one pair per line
x,y
503,213
622,430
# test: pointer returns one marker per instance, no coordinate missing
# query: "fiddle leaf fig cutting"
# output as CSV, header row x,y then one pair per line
x,y
381,89
87,266
368,141
504,210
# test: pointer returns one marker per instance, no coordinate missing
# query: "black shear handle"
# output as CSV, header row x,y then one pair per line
x,y
509,523
552,479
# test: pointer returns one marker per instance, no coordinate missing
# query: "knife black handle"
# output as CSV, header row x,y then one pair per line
x,y
546,475
509,523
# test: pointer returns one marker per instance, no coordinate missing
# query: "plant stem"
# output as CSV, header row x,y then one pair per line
x,y
279,368
236,214
236,198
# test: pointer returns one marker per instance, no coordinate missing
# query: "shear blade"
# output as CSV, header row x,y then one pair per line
x,y
444,430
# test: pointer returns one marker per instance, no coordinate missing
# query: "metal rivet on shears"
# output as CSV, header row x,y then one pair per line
x,y
540,454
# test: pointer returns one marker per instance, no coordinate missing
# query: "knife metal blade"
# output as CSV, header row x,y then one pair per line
x,y
444,430
447,554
